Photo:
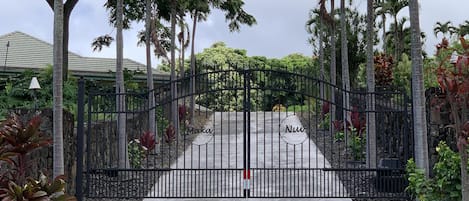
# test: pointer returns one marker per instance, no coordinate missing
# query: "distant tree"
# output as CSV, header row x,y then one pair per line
x,y
393,7
234,14
463,29
67,11
444,28
315,25
381,10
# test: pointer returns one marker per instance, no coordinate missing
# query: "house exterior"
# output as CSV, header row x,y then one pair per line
x,y
27,52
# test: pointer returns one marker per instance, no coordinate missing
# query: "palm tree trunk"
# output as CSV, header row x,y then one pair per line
x,y
182,50
333,69
120,90
396,39
58,164
192,81
174,109
383,16
67,10
370,79
321,57
418,99
151,92
345,66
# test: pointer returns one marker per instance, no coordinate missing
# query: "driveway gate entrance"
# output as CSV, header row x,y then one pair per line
x,y
250,133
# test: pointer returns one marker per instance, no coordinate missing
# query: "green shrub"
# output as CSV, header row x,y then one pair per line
x,y
445,185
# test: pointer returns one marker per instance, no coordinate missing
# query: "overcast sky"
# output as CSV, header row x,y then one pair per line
x,y
279,31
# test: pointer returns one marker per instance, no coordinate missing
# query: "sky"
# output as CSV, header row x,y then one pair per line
x,y
280,28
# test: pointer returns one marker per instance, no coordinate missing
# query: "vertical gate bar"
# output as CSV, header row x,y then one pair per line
x,y
406,128
80,140
248,126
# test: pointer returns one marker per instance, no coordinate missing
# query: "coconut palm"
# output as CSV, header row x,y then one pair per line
x,y
444,28
370,83
58,164
418,99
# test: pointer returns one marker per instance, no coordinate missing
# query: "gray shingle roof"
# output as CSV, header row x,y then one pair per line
x,y
26,51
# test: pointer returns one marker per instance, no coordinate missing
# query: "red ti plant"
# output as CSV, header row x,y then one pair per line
x,y
182,110
17,141
454,83
325,108
170,133
21,141
357,124
147,140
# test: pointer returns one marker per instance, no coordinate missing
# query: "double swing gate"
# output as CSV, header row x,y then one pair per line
x,y
237,133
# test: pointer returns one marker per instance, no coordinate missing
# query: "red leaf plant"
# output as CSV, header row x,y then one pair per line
x,y
357,124
325,108
453,79
147,140
170,133
17,141
182,110
21,141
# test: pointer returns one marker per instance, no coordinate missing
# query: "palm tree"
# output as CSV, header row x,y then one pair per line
x,y
58,166
316,18
333,67
198,14
463,29
394,7
67,10
344,59
184,39
370,83
381,10
418,99
151,94
174,109
120,90
444,28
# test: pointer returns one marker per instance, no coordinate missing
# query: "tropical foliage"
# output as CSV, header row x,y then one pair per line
x,y
17,141
17,94
446,181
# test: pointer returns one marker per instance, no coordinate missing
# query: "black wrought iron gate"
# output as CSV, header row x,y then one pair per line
x,y
237,132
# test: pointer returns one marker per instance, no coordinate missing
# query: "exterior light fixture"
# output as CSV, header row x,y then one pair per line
x,y
34,86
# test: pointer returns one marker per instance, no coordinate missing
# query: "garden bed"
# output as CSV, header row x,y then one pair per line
x,y
357,180
141,181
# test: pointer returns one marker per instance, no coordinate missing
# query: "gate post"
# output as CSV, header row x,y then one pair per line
x,y
80,139
247,131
